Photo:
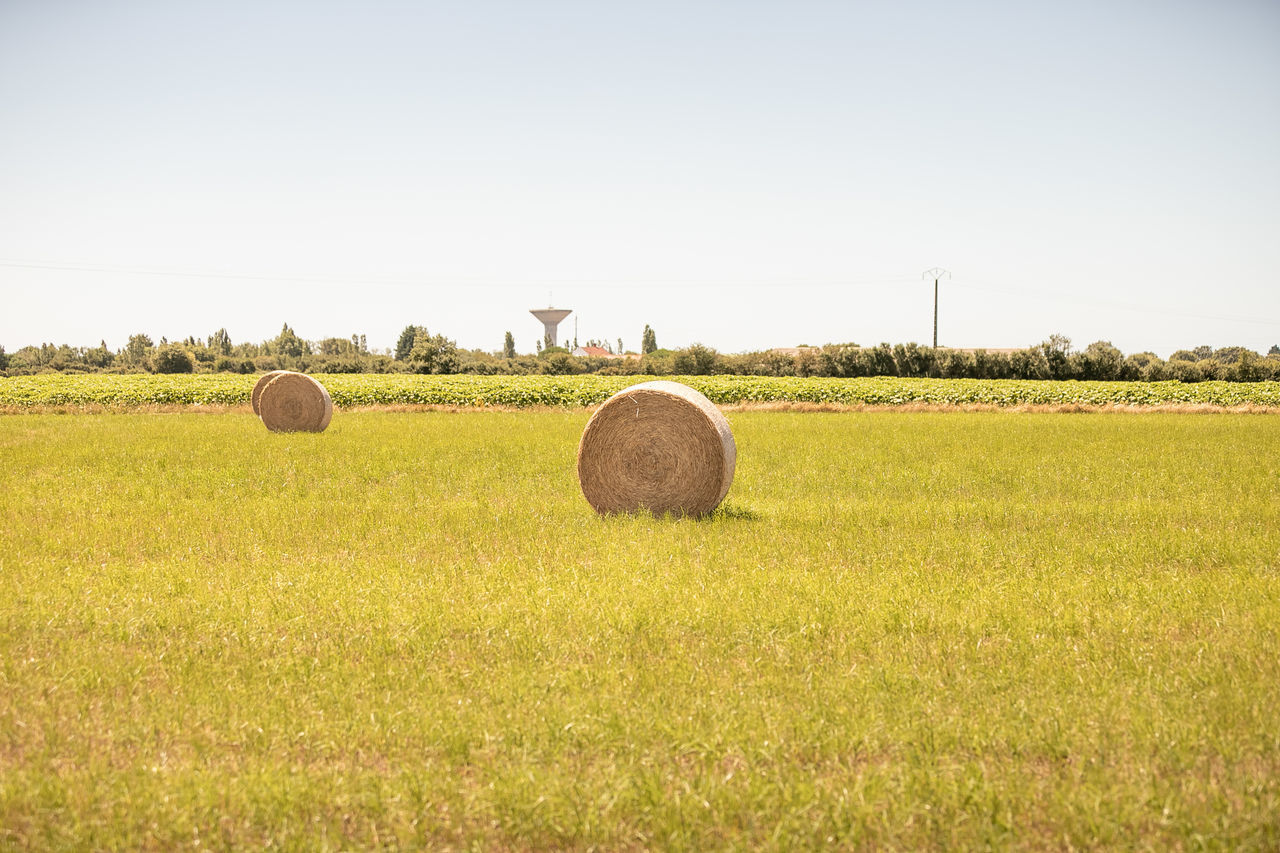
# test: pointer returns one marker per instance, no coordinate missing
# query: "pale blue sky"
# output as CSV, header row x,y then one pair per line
x,y
744,174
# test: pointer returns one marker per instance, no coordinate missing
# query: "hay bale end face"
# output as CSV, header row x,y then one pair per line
x,y
660,446
294,402
262,383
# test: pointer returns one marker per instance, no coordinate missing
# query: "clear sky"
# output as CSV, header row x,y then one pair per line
x,y
744,174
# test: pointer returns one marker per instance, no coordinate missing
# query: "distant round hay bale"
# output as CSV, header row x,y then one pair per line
x,y
660,446
294,402
262,383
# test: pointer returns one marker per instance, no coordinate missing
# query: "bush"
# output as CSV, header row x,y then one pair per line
x,y
1100,361
1147,367
1029,364
433,354
559,363
697,360
340,366
1184,370
956,364
172,358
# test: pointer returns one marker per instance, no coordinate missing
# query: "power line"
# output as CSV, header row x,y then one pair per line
x,y
498,282
438,280
1126,306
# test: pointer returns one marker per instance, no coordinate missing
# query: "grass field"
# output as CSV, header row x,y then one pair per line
x,y
901,631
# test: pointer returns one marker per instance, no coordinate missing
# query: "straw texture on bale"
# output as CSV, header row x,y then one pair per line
x,y
262,383
660,446
295,402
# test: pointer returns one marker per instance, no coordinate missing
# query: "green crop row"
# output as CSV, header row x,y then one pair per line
x,y
353,390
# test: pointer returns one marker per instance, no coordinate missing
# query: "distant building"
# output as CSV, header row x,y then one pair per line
x,y
550,318
594,352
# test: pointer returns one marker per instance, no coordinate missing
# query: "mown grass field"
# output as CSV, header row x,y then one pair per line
x,y
903,630
125,392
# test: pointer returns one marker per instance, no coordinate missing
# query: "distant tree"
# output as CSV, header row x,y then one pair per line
x,y
1202,352
1184,355
957,364
508,346
648,341
99,356
1145,366
4,358
1100,360
558,361
220,342
697,360
880,361
433,354
1248,367
1185,370
404,345
537,346
138,350
1231,355
1029,364
340,347
172,358
1057,352
620,350
991,365
912,359
288,343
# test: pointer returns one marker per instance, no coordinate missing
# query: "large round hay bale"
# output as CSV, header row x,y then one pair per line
x,y
262,383
660,446
294,402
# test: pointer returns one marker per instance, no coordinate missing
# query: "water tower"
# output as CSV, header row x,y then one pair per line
x,y
550,318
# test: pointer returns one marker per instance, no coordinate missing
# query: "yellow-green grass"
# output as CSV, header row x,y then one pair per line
x,y
902,630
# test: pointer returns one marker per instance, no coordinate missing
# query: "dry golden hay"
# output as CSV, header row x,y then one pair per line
x,y
262,383
660,446
294,402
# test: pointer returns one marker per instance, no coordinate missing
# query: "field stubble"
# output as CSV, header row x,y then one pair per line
x,y
901,630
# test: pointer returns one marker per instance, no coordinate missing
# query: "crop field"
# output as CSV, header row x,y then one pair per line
x,y
910,630
57,391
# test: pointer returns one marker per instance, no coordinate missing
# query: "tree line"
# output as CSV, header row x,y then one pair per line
x,y
418,350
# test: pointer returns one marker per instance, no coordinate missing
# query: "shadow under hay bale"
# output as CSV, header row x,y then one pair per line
x,y
262,382
660,446
295,402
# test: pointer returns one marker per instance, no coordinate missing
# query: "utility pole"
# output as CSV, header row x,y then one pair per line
x,y
935,274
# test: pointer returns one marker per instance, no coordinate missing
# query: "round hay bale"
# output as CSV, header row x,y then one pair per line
x,y
660,446
262,383
294,402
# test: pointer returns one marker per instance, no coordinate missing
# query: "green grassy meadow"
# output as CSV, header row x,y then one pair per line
x,y
902,630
